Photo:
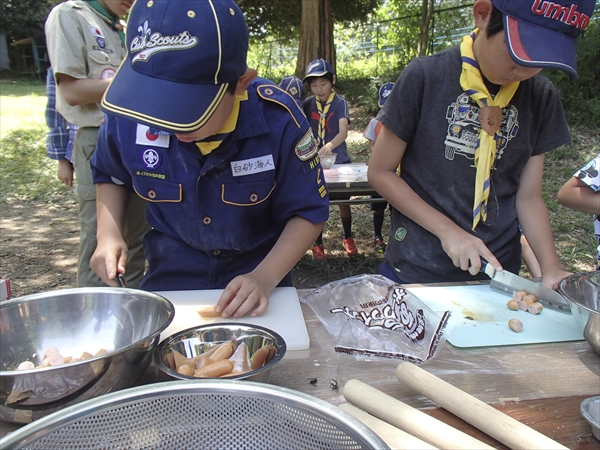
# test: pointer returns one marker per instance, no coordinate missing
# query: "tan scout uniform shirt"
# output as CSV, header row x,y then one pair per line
x,y
82,44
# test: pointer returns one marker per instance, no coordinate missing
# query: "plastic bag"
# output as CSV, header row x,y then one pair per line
x,y
371,315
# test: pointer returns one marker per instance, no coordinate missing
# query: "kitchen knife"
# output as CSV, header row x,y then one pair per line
x,y
507,283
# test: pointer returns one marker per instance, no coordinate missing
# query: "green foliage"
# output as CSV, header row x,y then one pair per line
x,y
281,18
23,18
581,98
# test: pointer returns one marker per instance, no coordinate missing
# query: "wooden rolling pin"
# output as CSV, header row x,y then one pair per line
x,y
408,419
500,426
394,437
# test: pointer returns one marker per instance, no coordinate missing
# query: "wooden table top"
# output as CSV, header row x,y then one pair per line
x,y
541,385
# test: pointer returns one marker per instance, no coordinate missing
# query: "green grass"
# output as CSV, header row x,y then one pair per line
x,y
26,173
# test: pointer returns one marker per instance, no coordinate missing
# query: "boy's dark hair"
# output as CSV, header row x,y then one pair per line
x,y
496,23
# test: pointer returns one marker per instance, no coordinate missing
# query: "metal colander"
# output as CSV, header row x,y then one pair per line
x,y
213,414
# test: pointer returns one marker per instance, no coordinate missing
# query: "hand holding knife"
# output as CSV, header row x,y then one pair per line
x,y
507,283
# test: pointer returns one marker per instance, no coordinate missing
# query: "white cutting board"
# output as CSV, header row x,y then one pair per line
x,y
284,314
489,315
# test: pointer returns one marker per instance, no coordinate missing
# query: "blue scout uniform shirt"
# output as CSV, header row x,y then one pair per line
x,y
217,216
338,110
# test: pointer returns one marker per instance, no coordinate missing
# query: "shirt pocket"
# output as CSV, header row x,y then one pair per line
x,y
158,191
247,194
99,62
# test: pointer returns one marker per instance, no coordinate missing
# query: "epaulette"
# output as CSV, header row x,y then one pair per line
x,y
277,95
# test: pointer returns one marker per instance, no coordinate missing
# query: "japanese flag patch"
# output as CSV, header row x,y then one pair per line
x,y
306,148
144,137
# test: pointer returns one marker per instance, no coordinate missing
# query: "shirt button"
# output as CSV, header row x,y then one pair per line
x,y
206,220
152,194
216,252
253,198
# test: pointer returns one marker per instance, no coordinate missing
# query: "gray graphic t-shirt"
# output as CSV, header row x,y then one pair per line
x,y
430,112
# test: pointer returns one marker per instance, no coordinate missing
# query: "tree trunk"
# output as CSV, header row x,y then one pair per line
x,y
316,34
426,16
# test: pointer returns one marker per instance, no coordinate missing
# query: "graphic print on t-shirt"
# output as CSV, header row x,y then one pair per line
x,y
463,128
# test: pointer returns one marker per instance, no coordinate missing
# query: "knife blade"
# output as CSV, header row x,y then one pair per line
x,y
507,283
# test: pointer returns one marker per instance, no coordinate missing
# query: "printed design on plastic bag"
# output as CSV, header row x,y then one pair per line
x,y
394,317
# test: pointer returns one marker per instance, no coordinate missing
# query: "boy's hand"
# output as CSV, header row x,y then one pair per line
x,y
109,258
65,172
326,150
243,294
466,251
552,278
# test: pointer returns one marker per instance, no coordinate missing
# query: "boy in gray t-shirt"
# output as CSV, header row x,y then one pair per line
x,y
469,128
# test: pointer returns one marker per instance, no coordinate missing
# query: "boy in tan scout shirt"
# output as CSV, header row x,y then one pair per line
x,y
85,45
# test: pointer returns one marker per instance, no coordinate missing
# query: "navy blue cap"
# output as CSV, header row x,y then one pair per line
x,y
541,33
292,85
182,56
318,68
384,93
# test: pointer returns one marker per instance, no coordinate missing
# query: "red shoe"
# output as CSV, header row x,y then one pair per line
x,y
318,252
350,246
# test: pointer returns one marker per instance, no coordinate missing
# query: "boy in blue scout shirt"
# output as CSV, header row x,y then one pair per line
x,y
329,118
227,162
470,127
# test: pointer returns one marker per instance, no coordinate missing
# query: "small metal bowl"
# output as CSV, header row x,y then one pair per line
x,y
197,340
328,161
590,410
582,292
125,322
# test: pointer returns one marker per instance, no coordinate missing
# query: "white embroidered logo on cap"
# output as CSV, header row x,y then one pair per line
x,y
148,43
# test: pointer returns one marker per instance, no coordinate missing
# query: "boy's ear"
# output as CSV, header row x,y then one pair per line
x,y
482,11
334,79
245,80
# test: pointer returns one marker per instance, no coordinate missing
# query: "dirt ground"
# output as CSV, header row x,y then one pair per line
x,y
39,245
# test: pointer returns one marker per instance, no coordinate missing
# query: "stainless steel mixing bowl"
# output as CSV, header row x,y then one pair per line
x,y
189,415
125,322
582,292
195,341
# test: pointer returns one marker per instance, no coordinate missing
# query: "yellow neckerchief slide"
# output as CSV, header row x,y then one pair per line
x,y
208,145
323,117
490,118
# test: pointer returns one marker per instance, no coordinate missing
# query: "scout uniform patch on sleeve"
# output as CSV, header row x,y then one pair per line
x,y
306,148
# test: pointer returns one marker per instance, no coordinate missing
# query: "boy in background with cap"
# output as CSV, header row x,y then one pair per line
x,y
85,43
227,162
329,118
293,86
370,134
470,127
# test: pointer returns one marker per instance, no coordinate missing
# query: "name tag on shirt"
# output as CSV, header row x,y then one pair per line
x,y
144,137
253,165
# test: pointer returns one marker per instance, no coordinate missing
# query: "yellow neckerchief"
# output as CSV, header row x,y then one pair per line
x,y
322,117
490,118
209,144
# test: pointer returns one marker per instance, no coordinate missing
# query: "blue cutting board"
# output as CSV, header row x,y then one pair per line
x,y
481,317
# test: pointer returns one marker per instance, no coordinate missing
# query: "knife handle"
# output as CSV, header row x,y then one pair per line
x,y
487,268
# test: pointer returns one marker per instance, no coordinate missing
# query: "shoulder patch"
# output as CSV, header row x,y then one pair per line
x,y
306,147
277,95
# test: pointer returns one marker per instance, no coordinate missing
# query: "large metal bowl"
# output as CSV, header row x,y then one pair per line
x,y
187,415
197,340
125,322
582,292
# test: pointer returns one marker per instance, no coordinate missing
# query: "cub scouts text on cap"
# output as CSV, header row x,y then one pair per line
x,y
182,56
